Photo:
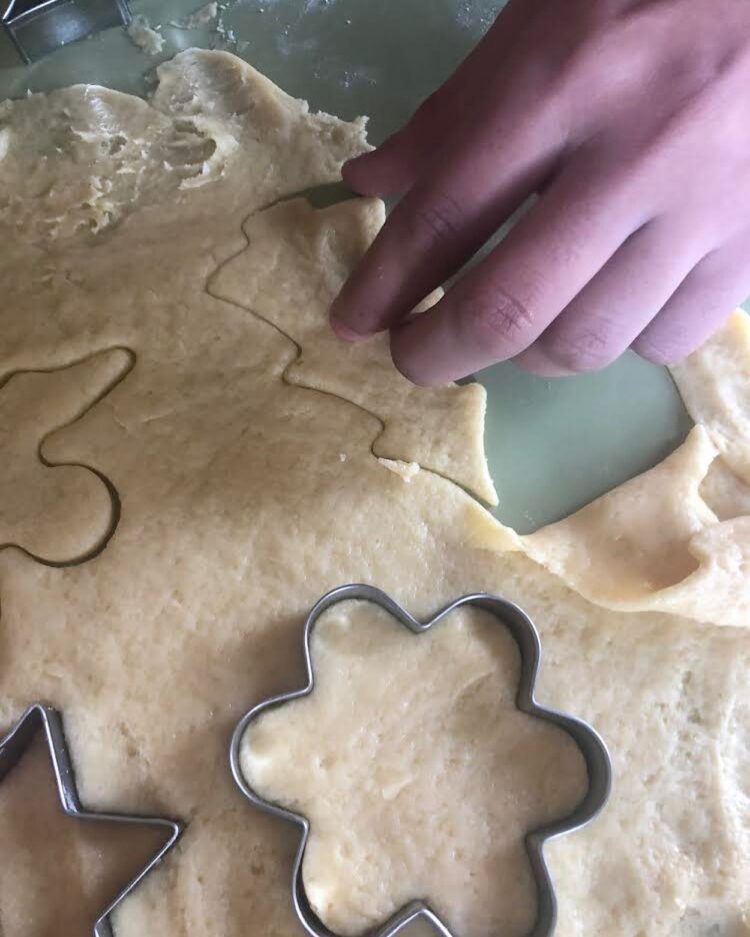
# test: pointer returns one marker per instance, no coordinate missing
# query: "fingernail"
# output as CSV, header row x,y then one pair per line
x,y
345,332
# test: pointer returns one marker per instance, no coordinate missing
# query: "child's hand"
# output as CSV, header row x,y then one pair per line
x,y
631,120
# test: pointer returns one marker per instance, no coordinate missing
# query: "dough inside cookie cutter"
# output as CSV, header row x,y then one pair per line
x,y
523,631
38,28
44,719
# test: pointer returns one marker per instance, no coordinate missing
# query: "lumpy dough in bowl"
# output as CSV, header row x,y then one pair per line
x,y
417,771
222,455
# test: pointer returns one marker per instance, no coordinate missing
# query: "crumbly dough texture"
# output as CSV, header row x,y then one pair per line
x,y
176,315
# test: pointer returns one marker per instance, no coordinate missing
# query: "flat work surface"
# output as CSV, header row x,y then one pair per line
x,y
552,446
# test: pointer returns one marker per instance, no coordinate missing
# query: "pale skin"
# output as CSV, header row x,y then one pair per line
x,y
630,122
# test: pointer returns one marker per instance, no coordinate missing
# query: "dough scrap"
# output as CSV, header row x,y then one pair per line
x,y
237,514
656,542
627,546
423,733
145,36
403,470
59,513
714,384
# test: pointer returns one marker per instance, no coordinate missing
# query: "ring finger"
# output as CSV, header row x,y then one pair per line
x,y
502,307
717,285
614,308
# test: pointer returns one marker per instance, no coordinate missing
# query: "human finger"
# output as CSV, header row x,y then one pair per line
x,y
717,285
445,219
394,167
502,307
618,303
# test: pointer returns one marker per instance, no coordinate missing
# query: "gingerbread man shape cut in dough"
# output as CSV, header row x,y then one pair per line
x,y
59,514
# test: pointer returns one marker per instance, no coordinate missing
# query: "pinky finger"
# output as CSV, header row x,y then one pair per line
x,y
707,296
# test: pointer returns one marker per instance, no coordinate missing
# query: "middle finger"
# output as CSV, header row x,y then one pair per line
x,y
446,218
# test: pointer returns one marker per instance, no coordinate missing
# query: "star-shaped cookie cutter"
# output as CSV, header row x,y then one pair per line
x,y
593,749
40,718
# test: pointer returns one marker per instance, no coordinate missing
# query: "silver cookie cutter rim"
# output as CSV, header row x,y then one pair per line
x,y
588,741
41,718
50,24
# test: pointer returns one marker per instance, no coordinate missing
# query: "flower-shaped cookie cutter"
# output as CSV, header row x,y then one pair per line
x,y
44,719
523,631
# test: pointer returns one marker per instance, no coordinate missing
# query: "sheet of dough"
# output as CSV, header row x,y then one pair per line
x,y
238,512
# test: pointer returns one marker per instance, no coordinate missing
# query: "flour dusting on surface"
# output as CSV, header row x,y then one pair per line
x,y
200,17
477,15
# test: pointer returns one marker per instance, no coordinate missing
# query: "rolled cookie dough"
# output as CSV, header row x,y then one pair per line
x,y
223,442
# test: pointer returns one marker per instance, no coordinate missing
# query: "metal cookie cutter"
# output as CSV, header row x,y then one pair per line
x,y
40,718
37,28
593,749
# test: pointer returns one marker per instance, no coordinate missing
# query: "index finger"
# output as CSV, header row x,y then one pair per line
x,y
501,307
445,219
396,165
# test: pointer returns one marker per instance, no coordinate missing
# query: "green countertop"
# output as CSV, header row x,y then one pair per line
x,y
552,446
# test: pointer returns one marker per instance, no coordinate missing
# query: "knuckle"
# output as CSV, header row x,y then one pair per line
x,y
586,349
660,351
499,322
437,222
